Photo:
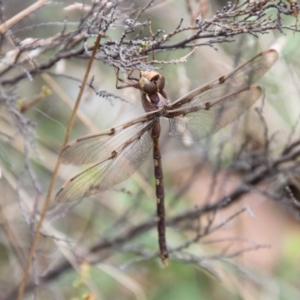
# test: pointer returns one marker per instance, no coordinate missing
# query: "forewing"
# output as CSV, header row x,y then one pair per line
x,y
121,163
207,109
98,147
238,79
208,119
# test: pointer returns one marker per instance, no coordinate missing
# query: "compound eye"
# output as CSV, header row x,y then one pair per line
x,y
149,87
161,83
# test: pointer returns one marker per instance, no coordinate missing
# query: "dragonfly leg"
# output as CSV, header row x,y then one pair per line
x,y
127,84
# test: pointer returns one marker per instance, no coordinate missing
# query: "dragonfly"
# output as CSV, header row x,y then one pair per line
x,y
116,153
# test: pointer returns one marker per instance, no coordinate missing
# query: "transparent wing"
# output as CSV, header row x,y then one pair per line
x,y
204,122
211,107
238,79
121,163
98,147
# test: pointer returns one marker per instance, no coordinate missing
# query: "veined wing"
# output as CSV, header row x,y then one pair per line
x,y
206,120
118,164
211,107
241,77
98,147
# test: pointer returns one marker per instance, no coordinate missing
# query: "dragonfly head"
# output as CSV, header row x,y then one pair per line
x,y
151,84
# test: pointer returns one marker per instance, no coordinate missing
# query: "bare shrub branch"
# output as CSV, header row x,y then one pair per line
x,y
49,39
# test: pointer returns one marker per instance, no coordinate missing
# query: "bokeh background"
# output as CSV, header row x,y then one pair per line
x,y
250,251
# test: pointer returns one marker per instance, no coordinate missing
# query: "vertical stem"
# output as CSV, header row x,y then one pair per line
x,y
54,175
160,195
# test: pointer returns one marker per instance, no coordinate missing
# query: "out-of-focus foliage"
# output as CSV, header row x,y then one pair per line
x,y
231,201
